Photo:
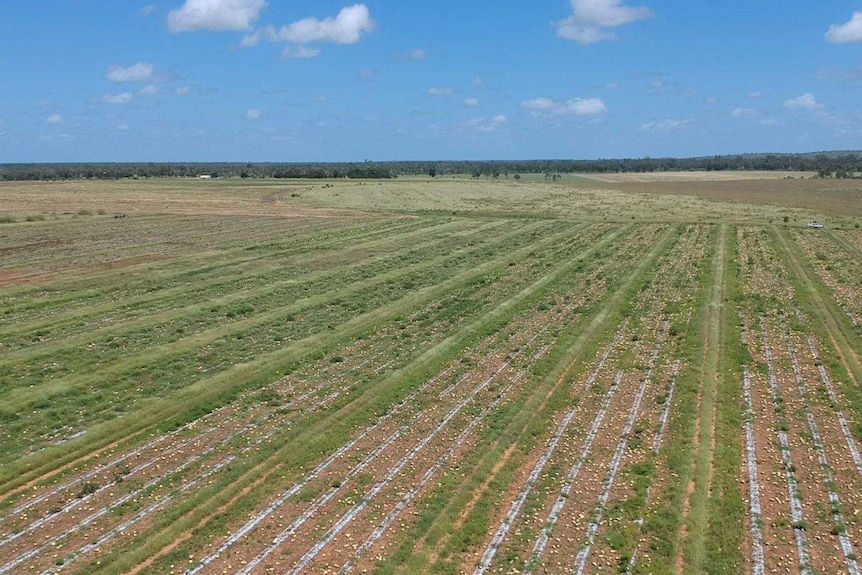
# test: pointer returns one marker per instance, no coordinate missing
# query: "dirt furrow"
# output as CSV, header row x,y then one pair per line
x,y
758,566
796,510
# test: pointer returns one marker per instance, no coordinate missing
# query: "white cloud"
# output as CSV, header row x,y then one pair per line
x,y
574,107
848,32
582,107
440,91
769,122
657,84
803,102
254,114
416,55
711,100
216,15
665,126
539,104
148,91
54,119
755,95
743,113
346,28
123,127
612,85
471,102
148,10
124,98
299,52
254,39
183,91
488,125
140,72
322,99
367,74
591,20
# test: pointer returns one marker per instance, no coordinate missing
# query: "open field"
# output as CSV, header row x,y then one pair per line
x,y
431,377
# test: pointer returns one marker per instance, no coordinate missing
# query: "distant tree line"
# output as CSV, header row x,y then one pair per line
x,y
826,164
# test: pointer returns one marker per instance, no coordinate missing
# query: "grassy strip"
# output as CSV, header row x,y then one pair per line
x,y
693,546
675,461
726,531
221,388
324,434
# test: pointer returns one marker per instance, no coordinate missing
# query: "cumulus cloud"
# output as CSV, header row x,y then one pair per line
x,y
804,102
755,95
585,107
539,104
124,98
299,52
574,107
848,32
54,119
440,91
592,20
148,10
488,125
743,112
215,15
183,91
471,102
665,126
254,114
129,97
416,55
346,28
140,72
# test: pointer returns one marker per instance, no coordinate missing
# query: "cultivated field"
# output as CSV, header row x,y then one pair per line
x,y
420,376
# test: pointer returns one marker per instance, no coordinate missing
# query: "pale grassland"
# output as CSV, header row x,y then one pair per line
x,y
723,176
667,197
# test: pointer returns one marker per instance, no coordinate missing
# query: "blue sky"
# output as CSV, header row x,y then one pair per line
x,y
282,80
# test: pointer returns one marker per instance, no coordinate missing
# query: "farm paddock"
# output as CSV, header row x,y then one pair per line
x,y
430,377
